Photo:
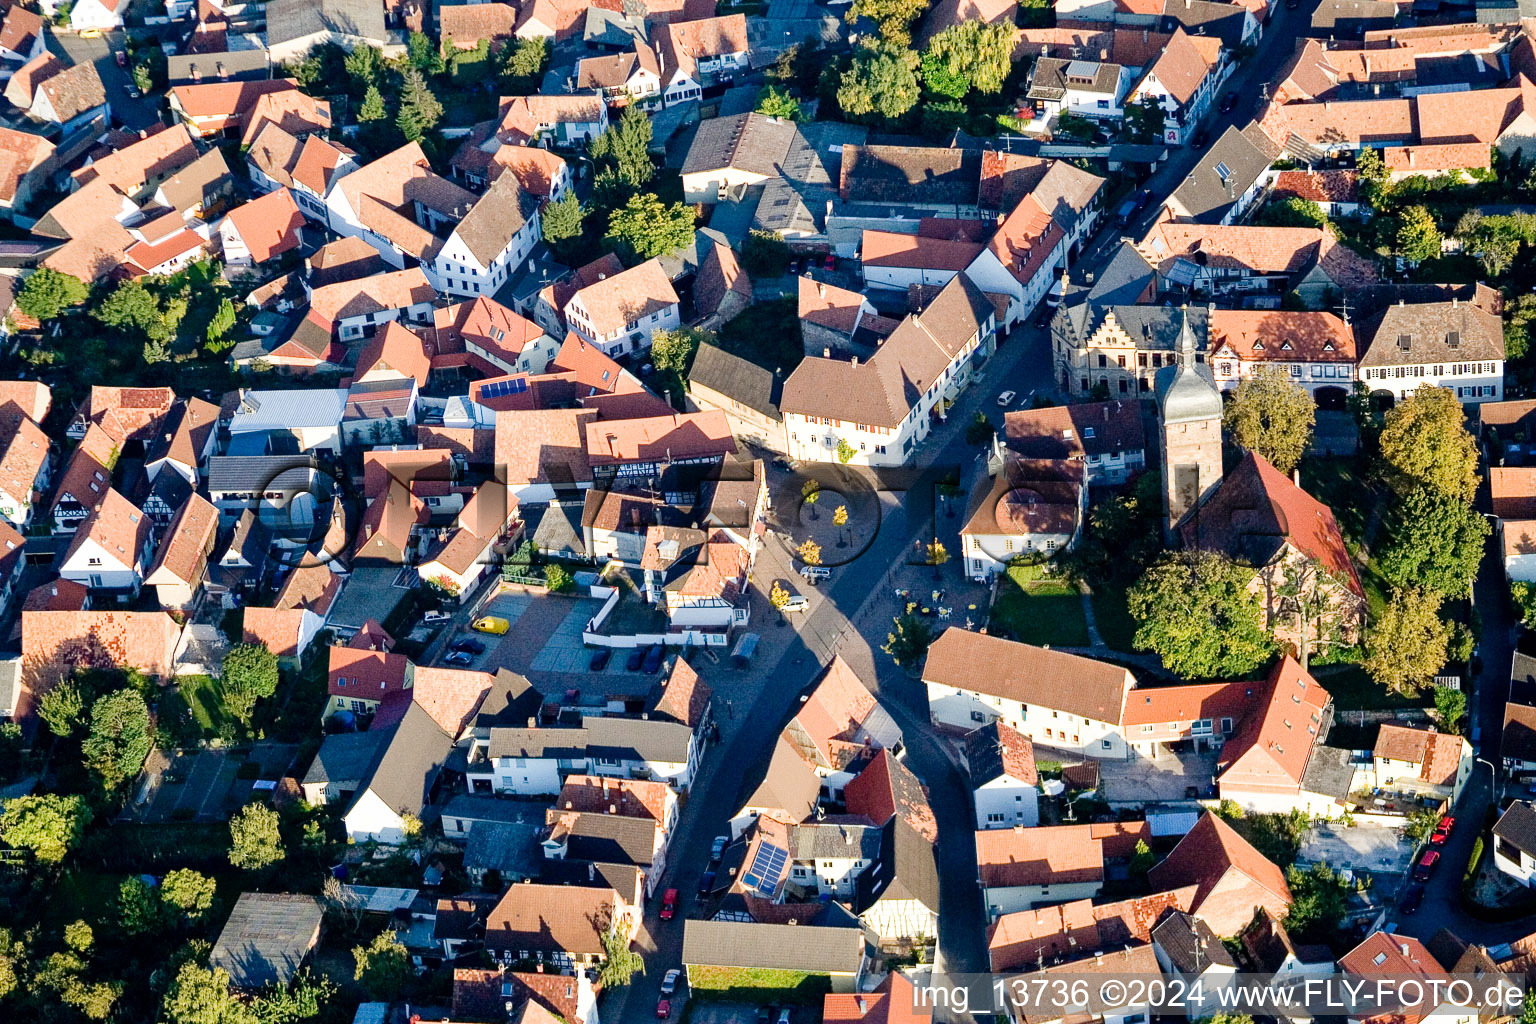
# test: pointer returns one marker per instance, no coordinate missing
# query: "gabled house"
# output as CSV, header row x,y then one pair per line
x,y
182,560
267,938
1081,88
562,121
529,760
111,550
1005,785
560,925
1232,879
464,553
622,312
1105,437
746,393
938,179
359,678
1182,83
1022,867
695,54
185,441
1403,959
22,35
699,579
730,154
298,612
623,78
26,465
1420,761
1514,843
1272,953
833,951
400,779
1253,265
1317,350
56,642
29,161
357,309
262,229
1229,178
294,27
1068,931
1019,506
72,98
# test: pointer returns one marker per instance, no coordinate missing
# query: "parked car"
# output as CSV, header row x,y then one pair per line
x,y
636,656
121,56
663,1009
132,90
1427,864
763,1013
784,1016
717,850
670,980
1412,897
815,573
1446,824
469,644
707,883
830,263
1006,398
796,603
463,659
653,656
1228,102
599,659
491,624
668,910
435,617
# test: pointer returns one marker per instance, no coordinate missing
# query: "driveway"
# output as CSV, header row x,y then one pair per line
x,y
1371,848
135,115
1165,780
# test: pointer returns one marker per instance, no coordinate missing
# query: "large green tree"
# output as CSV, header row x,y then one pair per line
x,y
523,65
187,895
979,54
622,154
1426,442
775,101
1407,644
46,293
248,673
119,739
1435,542
62,708
563,221
881,81
47,824
420,109
1272,417
382,966
132,305
1319,898
646,227
1194,609
1417,238
892,17
200,995
1293,212
254,838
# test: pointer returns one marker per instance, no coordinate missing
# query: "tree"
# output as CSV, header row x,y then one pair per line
x,y
1519,311
623,152
383,966
563,219
778,597
620,963
372,109
220,324
188,894
940,80
881,81
13,962
1308,591
132,305
557,578
79,937
120,738
46,293
840,516
645,227
1435,542
62,708
1370,166
1524,596
1417,239
979,430
976,52
845,452
254,839
249,673
1407,645
303,999
423,54
893,18
810,494
364,65
775,101
1293,212
1195,611
936,553
673,351
1272,418
200,995
1319,897
419,107
143,77
139,910
909,641
809,552
1426,442
47,824
1142,859
765,254
523,65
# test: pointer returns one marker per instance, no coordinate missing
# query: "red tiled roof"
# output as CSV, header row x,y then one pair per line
x,y
1205,855
885,788
1287,336
450,696
395,351
1437,754
658,438
365,675
184,550
888,249
268,225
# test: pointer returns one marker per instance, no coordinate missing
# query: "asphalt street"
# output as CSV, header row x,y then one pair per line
x,y
135,115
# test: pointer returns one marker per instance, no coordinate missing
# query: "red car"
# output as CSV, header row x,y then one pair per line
x,y
1442,831
1426,866
663,1009
668,904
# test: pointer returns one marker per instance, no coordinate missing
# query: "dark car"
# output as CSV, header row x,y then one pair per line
x,y
469,644
121,56
1412,897
707,883
653,656
599,659
830,263
636,656
1229,103
461,658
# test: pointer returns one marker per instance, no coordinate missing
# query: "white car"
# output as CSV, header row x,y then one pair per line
x,y
1006,397
669,983
796,603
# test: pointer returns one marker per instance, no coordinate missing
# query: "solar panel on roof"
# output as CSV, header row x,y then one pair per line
x,y
499,388
763,875
1223,171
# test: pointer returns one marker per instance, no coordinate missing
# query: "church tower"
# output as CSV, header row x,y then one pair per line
x,y
1190,408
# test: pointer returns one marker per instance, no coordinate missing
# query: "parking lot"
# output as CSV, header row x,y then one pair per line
x,y
1369,848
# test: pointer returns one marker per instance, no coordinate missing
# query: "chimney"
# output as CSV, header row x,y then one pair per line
x,y
569,806
855,360
821,290
826,353
613,808
197,74
533,723
222,70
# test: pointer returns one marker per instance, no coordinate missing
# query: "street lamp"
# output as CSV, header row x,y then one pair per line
x,y
1494,772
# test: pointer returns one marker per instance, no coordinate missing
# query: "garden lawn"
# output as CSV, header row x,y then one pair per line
x,y
757,985
1353,690
1113,617
1040,613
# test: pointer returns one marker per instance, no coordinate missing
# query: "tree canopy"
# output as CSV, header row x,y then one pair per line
x,y
120,738
1426,442
1418,239
892,17
1407,644
1272,417
47,824
622,154
881,81
645,227
46,293
973,52
254,839
382,966
1195,611
248,674
1435,542
776,101
1319,898
420,109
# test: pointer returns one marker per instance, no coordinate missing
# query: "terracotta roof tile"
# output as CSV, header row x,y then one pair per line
x,y
184,550
398,289
450,696
1053,855
684,696
53,643
886,788
621,299
659,438
466,24
116,525
268,225
296,112
23,453
1091,689
551,918
1256,335
1204,857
